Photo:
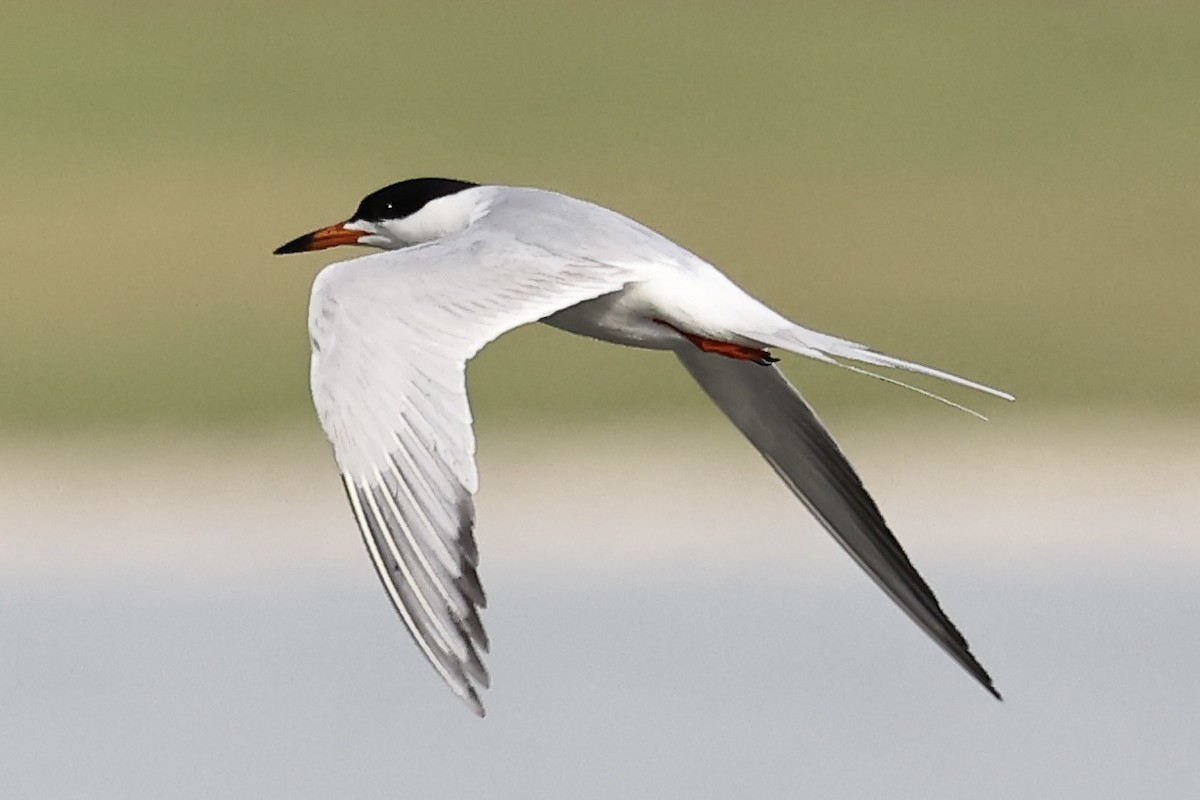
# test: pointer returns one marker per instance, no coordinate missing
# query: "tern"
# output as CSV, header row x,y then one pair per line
x,y
463,263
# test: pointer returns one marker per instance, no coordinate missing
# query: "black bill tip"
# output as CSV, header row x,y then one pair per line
x,y
301,244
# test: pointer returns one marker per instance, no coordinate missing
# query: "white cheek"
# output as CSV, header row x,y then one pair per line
x,y
438,218
380,241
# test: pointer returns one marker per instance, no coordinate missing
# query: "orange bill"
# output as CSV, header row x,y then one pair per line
x,y
319,240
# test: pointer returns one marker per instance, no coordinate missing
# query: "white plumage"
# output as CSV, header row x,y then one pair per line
x,y
392,333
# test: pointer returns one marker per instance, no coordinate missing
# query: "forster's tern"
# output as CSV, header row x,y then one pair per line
x,y
392,333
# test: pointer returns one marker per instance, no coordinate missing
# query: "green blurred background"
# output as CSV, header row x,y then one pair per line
x,y
1008,191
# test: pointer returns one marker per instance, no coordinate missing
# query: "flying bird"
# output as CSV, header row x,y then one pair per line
x,y
463,263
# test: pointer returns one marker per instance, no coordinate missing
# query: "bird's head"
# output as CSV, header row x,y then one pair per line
x,y
396,216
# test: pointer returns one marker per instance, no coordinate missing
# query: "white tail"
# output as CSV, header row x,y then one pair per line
x,y
824,347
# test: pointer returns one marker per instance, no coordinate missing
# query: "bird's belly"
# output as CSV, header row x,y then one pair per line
x,y
621,317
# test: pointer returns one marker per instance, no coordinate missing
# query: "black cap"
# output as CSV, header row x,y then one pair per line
x,y
406,197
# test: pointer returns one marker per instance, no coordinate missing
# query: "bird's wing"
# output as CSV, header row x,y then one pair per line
x,y
391,334
785,430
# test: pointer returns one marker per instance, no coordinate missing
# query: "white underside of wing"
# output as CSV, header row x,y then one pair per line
x,y
391,336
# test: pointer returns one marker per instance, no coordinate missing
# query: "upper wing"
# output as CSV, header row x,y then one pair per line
x,y
774,417
391,335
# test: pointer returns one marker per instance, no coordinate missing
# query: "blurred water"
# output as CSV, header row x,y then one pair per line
x,y
211,630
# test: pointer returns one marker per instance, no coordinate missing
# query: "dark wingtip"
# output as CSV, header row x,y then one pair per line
x,y
301,244
980,674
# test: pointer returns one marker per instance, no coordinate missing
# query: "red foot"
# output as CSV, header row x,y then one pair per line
x,y
739,351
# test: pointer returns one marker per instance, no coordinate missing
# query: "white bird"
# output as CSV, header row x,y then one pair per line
x,y
464,263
